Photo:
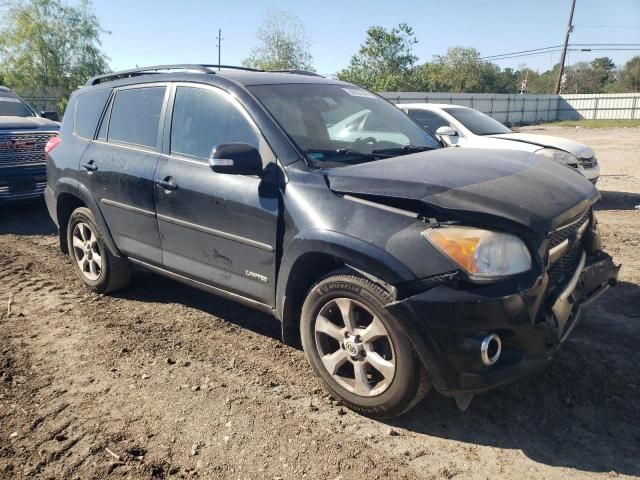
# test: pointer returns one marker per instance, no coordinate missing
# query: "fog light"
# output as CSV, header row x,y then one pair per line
x,y
490,349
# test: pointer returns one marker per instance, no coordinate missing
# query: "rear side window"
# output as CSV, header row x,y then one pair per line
x,y
135,116
431,121
203,119
87,113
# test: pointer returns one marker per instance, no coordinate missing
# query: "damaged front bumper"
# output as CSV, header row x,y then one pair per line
x,y
447,324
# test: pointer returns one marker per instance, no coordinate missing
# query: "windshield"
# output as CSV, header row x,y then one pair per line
x,y
340,124
477,122
11,106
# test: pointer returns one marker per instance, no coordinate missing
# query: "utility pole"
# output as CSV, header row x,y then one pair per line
x,y
566,43
219,45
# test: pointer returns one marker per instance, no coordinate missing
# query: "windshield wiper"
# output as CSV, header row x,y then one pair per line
x,y
402,150
340,152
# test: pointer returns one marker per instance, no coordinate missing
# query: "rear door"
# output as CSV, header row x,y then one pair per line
x,y
216,228
121,165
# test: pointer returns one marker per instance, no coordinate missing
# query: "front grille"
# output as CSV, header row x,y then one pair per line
x,y
563,269
560,235
23,148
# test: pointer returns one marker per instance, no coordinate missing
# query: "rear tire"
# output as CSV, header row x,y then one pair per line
x,y
358,349
97,267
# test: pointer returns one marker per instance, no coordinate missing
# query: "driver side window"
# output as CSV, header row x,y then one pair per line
x,y
203,119
429,120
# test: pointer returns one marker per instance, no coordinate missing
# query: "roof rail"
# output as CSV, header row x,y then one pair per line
x,y
145,70
232,67
298,72
134,72
199,67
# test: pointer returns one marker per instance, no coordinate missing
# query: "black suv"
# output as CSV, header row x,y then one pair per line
x,y
397,264
23,137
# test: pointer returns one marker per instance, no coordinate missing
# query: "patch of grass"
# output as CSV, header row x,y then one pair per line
x,y
595,123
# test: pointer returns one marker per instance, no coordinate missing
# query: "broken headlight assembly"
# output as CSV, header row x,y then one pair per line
x,y
483,254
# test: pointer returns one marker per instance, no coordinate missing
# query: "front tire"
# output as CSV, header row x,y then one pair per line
x,y
358,349
97,267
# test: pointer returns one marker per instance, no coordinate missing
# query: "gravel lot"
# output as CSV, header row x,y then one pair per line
x,y
164,381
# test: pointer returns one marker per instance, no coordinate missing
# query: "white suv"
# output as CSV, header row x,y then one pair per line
x,y
465,127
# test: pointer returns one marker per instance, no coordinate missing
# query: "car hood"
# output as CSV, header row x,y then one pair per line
x,y
20,123
527,189
578,149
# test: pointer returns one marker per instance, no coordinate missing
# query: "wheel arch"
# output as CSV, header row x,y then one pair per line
x,y
71,195
314,254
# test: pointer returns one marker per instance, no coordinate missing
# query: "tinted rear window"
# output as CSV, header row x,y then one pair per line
x,y
135,116
88,110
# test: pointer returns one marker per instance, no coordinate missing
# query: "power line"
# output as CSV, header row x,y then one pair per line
x,y
607,26
604,44
559,50
521,51
508,57
556,48
606,49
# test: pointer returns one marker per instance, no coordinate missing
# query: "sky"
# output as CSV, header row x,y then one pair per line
x,y
149,32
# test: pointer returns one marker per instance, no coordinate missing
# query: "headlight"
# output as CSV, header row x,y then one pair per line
x,y
483,254
589,162
559,156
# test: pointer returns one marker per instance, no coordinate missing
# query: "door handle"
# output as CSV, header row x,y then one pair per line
x,y
168,184
91,166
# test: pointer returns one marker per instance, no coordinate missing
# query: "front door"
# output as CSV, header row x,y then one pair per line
x,y
216,228
122,164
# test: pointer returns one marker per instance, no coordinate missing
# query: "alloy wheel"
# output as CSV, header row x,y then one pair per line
x,y
86,251
355,347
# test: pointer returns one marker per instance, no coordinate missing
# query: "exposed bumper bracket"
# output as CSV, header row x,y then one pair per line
x,y
592,278
564,305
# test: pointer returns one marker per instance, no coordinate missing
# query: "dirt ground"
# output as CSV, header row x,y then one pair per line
x,y
161,380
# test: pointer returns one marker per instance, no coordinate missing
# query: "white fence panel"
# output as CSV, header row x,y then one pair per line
x,y
614,106
525,109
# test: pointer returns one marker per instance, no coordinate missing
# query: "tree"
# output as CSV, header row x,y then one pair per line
x,y
284,44
463,71
508,80
385,60
603,63
630,76
604,72
47,46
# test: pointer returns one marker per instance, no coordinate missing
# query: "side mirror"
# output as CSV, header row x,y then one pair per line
x,y
50,116
236,159
445,131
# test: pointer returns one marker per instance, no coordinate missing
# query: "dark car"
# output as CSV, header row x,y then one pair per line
x,y
397,264
23,137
